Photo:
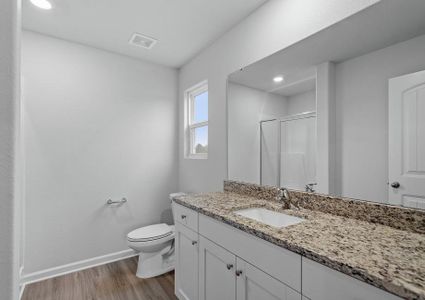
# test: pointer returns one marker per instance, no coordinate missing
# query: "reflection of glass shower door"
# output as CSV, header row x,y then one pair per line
x,y
269,158
298,152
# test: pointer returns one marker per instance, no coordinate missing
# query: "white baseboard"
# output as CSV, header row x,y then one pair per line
x,y
76,266
21,290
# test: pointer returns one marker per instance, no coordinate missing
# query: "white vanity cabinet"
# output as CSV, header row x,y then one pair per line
x,y
279,263
187,263
217,261
185,216
223,275
323,283
187,253
217,279
252,283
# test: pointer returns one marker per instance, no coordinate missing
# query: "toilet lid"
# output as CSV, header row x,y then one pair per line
x,y
150,232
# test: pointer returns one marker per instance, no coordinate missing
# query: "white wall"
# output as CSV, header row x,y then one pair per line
x,y
302,102
246,108
362,117
274,26
9,143
97,126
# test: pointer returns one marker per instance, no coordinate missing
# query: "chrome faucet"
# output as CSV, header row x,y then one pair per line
x,y
283,196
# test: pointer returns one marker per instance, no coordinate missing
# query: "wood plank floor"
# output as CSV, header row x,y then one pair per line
x,y
114,281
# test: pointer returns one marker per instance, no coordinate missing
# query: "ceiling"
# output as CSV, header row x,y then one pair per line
x,y
382,25
182,27
292,88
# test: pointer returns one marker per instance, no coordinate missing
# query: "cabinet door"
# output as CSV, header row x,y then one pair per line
x,y
217,278
187,262
252,284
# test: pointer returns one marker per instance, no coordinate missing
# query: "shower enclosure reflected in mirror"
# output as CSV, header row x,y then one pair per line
x,y
278,125
344,118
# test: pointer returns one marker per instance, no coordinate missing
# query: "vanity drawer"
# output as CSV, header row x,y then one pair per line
x,y
185,216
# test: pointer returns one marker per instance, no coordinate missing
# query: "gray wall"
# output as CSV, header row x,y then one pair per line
x,y
362,117
97,126
9,135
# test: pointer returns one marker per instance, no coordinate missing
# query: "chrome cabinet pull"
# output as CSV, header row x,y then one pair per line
x,y
229,266
238,272
194,243
183,217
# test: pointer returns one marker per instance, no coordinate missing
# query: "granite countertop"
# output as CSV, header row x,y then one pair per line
x,y
386,257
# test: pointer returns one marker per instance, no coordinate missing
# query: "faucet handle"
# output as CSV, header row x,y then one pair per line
x,y
280,194
286,193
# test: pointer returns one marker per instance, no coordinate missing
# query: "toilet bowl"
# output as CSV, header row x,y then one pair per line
x,y
155,245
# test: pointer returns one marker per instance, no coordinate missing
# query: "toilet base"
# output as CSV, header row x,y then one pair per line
x,y
155,264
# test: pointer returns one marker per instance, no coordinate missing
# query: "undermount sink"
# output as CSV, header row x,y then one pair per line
x,y
269,217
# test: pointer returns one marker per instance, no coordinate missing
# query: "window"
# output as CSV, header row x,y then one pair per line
x,y
197,121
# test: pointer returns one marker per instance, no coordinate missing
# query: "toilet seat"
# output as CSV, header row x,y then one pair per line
x,y
150,233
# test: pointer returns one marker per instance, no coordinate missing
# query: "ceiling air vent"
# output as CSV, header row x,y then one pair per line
x,y
143,41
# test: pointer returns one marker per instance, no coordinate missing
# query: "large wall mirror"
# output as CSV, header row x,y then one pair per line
x,y
341,112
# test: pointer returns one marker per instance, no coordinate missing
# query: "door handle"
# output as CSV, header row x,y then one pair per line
x,y
395,185
238,272
194,243
229,266
183,217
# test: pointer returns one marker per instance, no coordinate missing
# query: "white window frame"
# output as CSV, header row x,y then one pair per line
x,y
190,95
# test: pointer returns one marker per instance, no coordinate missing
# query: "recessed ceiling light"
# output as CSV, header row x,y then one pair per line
x,y
278,79
43,4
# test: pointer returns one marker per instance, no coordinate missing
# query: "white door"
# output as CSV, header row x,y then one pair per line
x,y
407,140
186,271
216,272
254,284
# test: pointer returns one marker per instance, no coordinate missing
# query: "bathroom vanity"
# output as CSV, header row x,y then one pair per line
x,y
341,121
361,251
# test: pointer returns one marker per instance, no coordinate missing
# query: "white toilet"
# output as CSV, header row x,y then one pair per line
x,y
156,246
155,243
